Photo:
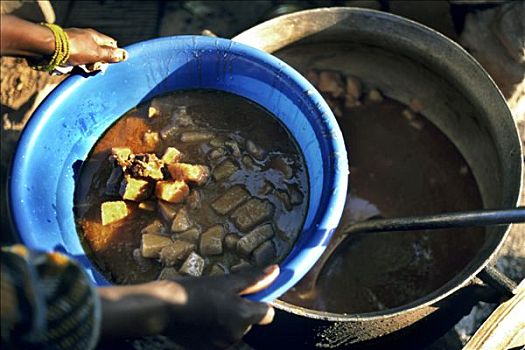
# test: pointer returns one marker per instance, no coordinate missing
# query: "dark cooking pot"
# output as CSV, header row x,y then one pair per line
x,y
404,59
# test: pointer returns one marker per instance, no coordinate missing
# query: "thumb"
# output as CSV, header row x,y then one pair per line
x,y
252,281
109,54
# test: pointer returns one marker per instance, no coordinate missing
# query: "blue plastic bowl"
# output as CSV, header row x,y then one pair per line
x,y
66,126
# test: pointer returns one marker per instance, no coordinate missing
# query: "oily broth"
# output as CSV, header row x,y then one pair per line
x,y
403,169
111,247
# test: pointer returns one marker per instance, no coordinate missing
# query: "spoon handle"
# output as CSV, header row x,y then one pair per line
x,y
447,220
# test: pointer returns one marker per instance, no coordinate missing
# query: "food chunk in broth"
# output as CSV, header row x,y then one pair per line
x,y
191,183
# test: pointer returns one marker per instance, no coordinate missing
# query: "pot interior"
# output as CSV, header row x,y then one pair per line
x,y
402,168
452,161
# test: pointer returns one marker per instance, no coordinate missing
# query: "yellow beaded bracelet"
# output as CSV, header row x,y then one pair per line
x,y
61,54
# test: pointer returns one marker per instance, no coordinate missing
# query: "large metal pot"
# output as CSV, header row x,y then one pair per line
x,y
403,59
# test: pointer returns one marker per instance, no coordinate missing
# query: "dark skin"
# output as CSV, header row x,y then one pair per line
x,y
21,38
201,313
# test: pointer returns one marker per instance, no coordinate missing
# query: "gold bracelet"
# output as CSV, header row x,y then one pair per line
x,y
61,54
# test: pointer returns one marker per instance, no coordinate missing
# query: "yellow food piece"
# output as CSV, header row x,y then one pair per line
x,y
197,174
153,112
171,191
121,154
113,211
151,139
171,155
135,189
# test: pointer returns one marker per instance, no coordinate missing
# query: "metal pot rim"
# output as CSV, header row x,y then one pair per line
x,y
456,55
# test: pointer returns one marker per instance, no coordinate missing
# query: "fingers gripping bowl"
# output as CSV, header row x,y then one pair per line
x,y
69,122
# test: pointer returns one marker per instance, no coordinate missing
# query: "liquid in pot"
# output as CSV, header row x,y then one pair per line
x,y
401,166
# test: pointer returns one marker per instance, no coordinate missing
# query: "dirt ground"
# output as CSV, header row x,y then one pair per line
x,y
23,88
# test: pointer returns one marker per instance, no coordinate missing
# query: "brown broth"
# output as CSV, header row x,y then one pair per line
x,y
111,247
403,167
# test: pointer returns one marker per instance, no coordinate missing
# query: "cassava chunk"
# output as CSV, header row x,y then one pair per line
x,y
147,205
218,141
331,82
211,241
233,147
194,199
252,213
151,139
114,180
375,95
168,273
167,210
197,174
224,170
147,165
171,191
264,254
196,136
181,222
254,238
230,241
175,252
193,265
156,227
216,153
354,87
113,211
255,150
279,164
192,235
171,155
152,244
235,196
135,189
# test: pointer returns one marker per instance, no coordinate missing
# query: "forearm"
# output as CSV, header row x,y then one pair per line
x,y
23,38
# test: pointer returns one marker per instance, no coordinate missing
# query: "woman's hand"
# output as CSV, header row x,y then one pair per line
x,y
201,313
215,315
89,46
